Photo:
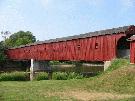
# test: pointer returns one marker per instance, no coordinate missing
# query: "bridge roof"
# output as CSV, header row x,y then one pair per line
x,y
86,35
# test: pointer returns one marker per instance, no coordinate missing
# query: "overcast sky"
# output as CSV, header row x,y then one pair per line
x,y
48,19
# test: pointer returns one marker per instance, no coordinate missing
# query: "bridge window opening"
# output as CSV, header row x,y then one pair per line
x,y
78,47
123,47
96,46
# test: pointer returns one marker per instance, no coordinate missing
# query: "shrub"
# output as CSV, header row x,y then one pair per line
x,y
65,76
79,76
2,54
21,76
73,75
60,76
41,76
14,76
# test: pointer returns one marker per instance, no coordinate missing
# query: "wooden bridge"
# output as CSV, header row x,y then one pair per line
x,y
93,46
103,45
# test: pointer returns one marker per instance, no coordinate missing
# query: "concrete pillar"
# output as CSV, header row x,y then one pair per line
x,y
32,70
37,65
107,64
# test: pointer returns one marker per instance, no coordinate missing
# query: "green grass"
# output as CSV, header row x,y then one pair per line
x,y
118,79
34,90
118,63
127,99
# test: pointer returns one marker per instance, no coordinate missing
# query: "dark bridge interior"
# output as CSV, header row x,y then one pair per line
x,y
123,47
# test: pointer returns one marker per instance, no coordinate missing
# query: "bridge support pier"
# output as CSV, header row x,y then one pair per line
x,y
106,64
37,65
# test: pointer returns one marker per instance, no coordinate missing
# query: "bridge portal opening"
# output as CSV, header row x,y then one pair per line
x,y
123,47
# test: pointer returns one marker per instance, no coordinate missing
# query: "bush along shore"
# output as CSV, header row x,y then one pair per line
x,y
24,76
14,76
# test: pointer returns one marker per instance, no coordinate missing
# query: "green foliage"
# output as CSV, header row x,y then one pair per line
x,y
2,52
20,38
5,34
41,76
21,76
117,63
126,99
73,75
60,76
115,82
120,77
65,76
14,76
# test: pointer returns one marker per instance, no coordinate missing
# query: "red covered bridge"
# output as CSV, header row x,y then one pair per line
x,y
103,45
100,46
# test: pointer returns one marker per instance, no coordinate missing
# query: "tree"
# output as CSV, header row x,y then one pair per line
x,y
20,38
5,34
2,53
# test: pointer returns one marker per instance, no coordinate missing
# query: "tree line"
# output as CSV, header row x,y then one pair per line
x,y
14,40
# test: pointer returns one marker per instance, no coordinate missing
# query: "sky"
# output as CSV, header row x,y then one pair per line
x,y
49,19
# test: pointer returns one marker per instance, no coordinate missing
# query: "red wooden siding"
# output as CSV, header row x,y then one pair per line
x,y
132,52
97,48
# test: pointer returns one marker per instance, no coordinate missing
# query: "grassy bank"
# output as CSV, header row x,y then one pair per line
x,y
117,83
120,77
